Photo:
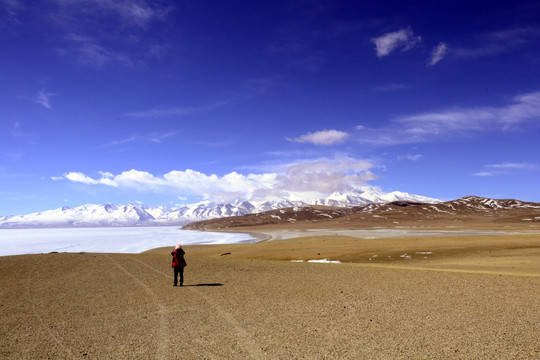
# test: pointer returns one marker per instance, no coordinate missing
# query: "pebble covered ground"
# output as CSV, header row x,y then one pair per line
x,y
120,306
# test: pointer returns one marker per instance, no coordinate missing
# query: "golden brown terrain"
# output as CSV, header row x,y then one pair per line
x,y
430,296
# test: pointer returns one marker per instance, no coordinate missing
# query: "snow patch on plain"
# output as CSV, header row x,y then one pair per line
x,y
319,261
324,261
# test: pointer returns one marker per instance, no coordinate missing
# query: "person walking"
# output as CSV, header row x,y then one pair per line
x,y
178,264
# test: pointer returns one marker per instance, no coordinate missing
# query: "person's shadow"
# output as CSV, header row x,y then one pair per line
x,y
207,284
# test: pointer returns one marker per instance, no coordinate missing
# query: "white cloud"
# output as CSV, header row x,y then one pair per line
x,y
44,99
137,14
454,122
403,39
106,174
174,111
322,176
130,13
438,54
88,51
411,157
125,141
12,7
504,168
149,138
447,121
229,186
323,137
94,44
82,178
18,132
485,173
326,176
512,166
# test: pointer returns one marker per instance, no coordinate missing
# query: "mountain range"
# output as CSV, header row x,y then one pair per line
x,y
470,212
137,215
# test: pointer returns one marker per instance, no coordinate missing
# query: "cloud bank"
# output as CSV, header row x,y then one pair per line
x,y
429,126
319,177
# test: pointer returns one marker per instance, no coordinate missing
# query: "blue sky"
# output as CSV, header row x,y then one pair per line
x,y
173,102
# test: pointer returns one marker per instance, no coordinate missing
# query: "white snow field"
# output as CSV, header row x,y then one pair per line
x,y
107,240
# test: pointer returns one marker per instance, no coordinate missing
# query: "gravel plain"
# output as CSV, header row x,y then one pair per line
x,y
246,301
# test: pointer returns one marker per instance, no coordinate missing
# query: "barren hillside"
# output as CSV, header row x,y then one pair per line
x,y
466,212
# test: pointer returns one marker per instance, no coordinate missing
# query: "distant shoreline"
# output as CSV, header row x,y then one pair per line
x,y
286,234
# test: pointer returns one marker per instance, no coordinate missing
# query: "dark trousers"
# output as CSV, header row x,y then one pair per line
x,y
179,270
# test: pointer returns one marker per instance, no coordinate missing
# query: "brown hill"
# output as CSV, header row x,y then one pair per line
x,y
466,212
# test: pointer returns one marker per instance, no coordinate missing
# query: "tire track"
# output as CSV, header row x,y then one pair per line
x,y
52,333
163,344
243,336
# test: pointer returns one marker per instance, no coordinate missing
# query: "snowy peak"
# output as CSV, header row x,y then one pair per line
x,y
108,207
134,215
82,216
480,203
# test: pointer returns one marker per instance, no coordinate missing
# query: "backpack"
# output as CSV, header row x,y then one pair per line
x,y
177,262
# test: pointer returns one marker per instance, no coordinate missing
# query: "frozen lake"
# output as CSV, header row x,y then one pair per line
x,y
109,240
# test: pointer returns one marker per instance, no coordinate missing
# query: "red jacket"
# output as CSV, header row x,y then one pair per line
x,y
178,258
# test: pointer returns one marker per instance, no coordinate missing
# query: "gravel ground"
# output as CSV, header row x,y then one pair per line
x,y
119,306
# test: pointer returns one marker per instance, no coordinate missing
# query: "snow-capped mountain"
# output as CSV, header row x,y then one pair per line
x,y
346,199
133,215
